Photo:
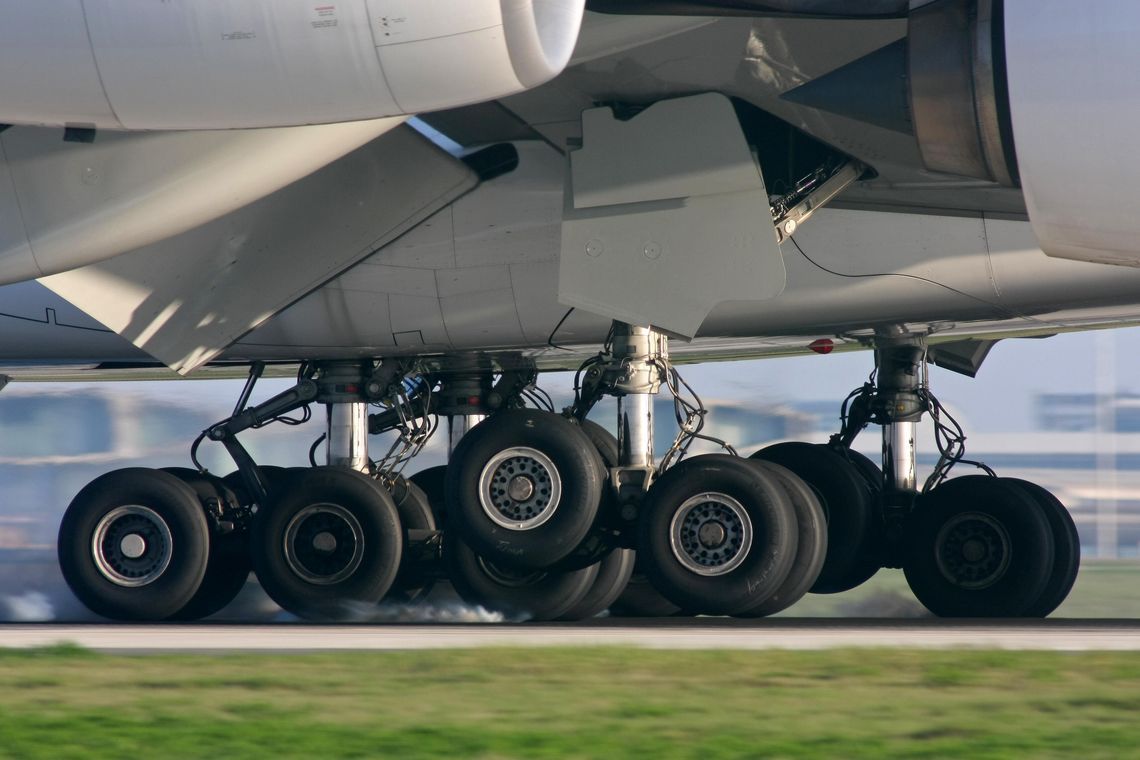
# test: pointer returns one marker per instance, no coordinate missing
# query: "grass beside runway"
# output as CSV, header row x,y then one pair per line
x,y
512,703
1104,589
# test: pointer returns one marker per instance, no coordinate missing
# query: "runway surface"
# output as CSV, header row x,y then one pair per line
x,y
801,634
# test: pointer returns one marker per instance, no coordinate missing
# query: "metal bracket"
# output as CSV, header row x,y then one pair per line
x,y
304,392
819,192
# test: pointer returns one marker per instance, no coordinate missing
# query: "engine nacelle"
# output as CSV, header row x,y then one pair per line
x,y
1074,94
185,64
959,108
1043,94
1038,94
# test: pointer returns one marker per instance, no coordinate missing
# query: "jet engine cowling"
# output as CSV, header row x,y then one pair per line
x,y
1042,94
1038,94
182,64
1074,93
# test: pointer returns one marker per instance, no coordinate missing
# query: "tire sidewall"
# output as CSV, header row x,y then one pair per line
x,y
769,559
551,595
228,567
365,500
432,482
845,497
1031,549
614,573
1066,547
177,505
604,536
415,579
811,550
579,468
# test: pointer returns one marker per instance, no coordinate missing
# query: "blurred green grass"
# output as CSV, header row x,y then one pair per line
x,y
578,703
1104,589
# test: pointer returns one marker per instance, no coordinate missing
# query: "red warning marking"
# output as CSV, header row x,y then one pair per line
x,y
822,346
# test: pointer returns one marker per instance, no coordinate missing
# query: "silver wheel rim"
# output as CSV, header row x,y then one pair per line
x,y
520,488
973,550
324,544
132,546
711,534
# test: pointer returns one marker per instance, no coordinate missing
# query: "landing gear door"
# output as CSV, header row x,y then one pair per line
x,y
666,216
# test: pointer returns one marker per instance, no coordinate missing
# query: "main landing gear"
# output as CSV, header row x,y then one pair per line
x,y
973,546
542,507
546,516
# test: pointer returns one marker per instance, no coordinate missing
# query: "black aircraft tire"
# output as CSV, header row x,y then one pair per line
x,y
812,545
870,471
847,504
227,569
613,575
547,522
517,594
637,597
227,572
270,472
604,442
871,558
641,600
718,535
327,540
603,536
1066,547
431,482
415,580
978,547
134,510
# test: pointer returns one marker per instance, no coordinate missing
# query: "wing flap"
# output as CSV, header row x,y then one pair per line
x,y
188,298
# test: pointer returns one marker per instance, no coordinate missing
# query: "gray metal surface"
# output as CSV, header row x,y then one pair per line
x,y
187,298
665,217
899,467
347,440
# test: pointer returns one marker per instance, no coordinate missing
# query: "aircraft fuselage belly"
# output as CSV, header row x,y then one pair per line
x,y
482,274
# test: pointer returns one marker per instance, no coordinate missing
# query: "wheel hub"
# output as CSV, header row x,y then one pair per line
x,y
520,488
973,550
711,534
324,544
131,546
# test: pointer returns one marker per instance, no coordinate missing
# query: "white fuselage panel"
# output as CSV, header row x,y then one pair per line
x,y
185,64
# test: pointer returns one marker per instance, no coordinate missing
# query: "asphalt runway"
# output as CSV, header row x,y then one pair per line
x,y
800,634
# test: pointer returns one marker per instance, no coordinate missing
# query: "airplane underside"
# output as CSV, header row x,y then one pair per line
x,y
656,204
545,514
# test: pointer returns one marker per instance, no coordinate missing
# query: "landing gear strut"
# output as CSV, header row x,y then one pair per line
x,y
716,534
978,546
326,538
